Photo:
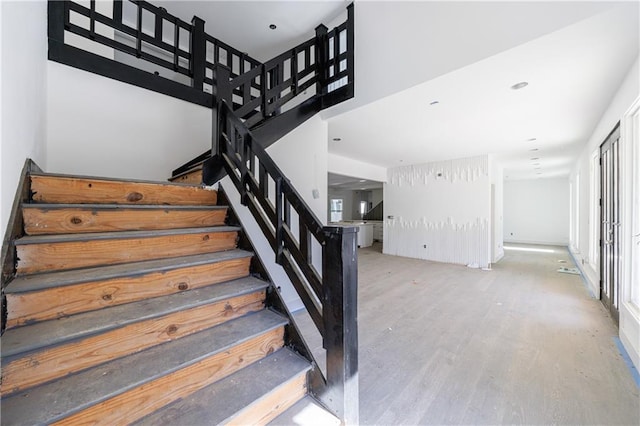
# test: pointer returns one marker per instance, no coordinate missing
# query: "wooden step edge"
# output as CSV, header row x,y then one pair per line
x,y
273,403
32,338
124,379
57,206
120,235
107,179
307,411
220,402
46,280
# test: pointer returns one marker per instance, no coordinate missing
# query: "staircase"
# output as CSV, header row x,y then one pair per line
x,y
131,303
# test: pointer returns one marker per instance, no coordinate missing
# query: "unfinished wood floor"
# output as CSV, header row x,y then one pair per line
x,y
521,344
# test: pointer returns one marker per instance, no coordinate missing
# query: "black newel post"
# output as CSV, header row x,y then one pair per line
x,y
221,92
339,311
198,53
322,58
212,170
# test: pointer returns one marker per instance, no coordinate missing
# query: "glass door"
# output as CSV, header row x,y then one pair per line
x,y
610,265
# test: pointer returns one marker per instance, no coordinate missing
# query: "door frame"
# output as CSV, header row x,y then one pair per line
x,y
610,263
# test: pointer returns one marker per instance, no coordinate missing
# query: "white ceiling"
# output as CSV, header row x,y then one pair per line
x,y
573,73
245,24
351,183
465,55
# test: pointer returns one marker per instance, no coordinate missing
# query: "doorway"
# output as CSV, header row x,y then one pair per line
x,y
610,265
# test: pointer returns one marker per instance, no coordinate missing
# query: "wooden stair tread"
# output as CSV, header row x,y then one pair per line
x,y
56,400
17,341
34,282
117,235
42,219
220,401
52,188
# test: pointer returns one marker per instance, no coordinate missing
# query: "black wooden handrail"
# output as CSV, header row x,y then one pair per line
x,y
330,296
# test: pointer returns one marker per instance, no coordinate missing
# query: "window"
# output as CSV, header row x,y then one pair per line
x,y
363,208
336,210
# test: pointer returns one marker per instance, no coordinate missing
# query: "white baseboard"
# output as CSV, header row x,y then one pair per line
x,y
540,243
590,277
630,331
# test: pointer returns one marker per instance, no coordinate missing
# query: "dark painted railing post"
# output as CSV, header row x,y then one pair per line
x,y
351,41
322,57
56,19
279,228
221,91
198,53
340,315
117,11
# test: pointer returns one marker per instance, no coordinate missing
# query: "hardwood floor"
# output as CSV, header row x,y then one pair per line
x,y
520,344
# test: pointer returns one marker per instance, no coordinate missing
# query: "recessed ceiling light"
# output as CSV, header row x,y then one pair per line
x,y
434,102
531,139
337,139
362,180
520,85
273,26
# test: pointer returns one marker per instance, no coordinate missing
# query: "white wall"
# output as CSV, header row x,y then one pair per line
x,y
102,127
444,205
23,39
302,157
350,167
626,95
536,211
630,291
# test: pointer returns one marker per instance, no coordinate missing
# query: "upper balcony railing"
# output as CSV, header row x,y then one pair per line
x,y
142,44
